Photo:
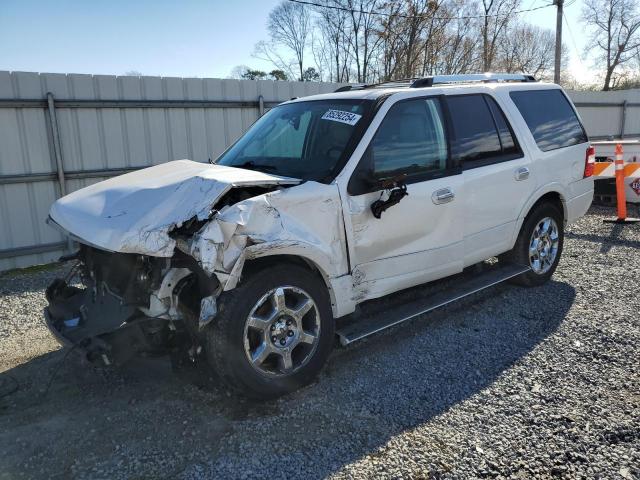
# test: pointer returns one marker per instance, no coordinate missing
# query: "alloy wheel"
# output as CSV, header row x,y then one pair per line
x,y
282,331
543,247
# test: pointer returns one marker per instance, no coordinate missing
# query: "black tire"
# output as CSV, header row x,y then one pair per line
x,y
225,336
520,252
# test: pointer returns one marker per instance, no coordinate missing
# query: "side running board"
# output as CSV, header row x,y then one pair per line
x,y
406,311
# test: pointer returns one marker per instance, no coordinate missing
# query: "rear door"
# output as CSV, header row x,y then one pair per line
x,y
497,176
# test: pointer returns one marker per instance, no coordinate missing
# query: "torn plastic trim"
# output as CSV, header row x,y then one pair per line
x,y
163,303
208,311
77,314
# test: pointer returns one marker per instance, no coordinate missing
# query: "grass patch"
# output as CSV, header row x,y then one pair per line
x,y
15,272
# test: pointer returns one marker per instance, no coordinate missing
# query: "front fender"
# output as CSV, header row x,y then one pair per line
x,y
304,221
339,286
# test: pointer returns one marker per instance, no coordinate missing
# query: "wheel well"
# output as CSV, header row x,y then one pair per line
x,y
260,263
553,198
256,264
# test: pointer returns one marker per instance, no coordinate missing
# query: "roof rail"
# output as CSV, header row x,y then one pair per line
x,y
404,82
471,78
347,88
421,82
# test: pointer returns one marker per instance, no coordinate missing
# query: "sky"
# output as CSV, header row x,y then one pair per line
x,y
188,38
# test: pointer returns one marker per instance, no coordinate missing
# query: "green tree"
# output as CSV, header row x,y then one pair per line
x,y
250,74
278,75
310,75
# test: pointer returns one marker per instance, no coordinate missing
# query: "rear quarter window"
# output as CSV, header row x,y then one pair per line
x,y
550,118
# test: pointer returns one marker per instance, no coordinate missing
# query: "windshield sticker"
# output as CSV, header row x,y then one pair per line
x,y
342,117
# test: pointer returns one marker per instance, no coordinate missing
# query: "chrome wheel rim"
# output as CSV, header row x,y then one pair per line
x,y
282,331
543,247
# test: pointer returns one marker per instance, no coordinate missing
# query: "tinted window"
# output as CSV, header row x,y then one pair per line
x,y
550,118
505,133
474,131
411,139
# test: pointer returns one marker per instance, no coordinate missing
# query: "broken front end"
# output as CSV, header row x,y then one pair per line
x,y
113,306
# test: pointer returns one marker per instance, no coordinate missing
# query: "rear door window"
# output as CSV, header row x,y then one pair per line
x,y
550,117
504,131
481,134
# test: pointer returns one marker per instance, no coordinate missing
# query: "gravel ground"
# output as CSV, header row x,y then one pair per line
x,y
524,383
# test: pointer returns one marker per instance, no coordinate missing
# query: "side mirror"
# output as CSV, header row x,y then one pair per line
x,y
397,191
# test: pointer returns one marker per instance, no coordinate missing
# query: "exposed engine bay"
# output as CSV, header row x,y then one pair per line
x,y
115,305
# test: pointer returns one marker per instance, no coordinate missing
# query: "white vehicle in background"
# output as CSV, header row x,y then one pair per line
x,y
329,201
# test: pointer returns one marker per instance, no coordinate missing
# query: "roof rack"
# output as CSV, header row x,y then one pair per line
x,y
421,82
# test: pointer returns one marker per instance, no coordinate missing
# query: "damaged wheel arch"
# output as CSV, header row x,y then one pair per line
x,y
255,264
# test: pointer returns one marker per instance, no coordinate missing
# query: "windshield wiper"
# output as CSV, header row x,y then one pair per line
x,y
253,165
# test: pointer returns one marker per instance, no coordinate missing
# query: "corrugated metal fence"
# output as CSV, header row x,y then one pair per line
x,y
609,114
62,132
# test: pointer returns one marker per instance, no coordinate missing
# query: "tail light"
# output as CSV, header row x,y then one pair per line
x,y
589,161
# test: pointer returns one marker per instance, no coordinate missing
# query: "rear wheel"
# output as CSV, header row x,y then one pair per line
x,y
539,245
273,333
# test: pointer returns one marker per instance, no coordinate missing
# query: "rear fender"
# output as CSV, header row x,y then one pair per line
x,y
555,187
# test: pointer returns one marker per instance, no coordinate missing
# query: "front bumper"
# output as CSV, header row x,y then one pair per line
x,y
57,334
97,323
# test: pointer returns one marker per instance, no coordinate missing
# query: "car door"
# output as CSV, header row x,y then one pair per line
x,y
420,238
497,176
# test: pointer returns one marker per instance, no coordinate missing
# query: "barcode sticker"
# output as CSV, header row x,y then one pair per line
x,y
342,117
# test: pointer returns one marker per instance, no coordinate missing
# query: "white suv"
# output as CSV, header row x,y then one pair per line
x,y
326,202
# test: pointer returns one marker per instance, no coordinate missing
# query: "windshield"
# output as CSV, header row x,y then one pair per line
x,y
302,140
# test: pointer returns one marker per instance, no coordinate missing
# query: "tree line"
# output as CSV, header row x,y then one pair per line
x,y
370,41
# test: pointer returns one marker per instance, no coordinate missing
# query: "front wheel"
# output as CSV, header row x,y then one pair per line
x,y
273,333
539,245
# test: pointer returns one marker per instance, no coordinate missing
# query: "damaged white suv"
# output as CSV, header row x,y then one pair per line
x,y
325,203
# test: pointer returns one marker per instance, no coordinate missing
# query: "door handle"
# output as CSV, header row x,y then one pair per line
x,y
444,195
522,173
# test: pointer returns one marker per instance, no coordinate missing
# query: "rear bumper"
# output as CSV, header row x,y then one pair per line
x,y
578,206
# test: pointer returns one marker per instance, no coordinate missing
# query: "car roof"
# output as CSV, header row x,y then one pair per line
x,y
375,92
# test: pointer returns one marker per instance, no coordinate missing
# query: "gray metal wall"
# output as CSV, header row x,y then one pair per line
x,y
107,125
609,114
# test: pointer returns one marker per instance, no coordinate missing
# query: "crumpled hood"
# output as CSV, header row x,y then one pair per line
x,y
133,213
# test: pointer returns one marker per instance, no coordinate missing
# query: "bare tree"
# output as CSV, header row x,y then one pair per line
x,y
363,36
526,49
458,52
390,31
435,35
238,71
331,45
269,52
615,26
377,40
403,34
497,15
417,21
289,25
